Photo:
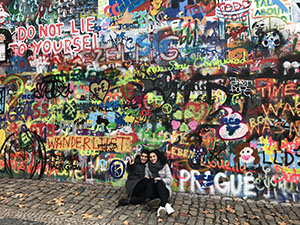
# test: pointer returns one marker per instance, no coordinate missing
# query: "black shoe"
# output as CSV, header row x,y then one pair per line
x,y
154,203
123,201
147,200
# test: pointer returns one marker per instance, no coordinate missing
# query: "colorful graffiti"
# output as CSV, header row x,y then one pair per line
x,y
84,85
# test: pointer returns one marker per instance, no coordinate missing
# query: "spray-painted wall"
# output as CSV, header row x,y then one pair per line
x,y
86,84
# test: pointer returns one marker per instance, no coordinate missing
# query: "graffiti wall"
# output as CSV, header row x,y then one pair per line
x,y
214,84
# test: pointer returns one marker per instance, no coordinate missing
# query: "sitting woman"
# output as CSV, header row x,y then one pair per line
x,y
138,187
159,171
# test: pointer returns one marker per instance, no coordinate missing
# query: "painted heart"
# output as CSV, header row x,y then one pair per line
x,y
178,115
199,111
175,124
184,127
99,90
193,125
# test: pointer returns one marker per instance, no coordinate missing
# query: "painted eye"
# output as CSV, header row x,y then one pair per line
x,y
248,151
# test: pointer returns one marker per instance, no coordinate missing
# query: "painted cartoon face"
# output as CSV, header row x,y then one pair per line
x,y
246,155
257,28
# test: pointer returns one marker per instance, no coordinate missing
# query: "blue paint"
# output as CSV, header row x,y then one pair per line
x,y
146,47
126,4
280,5
207,180
2,99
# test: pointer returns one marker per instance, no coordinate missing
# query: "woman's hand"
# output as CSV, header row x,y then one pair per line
x,y
147,177
157,178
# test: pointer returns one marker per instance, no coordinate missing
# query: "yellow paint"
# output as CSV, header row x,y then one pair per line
x,y
179,152
156,4
2,137
90,144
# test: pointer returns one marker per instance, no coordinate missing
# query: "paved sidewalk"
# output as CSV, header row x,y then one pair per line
x,y
42,202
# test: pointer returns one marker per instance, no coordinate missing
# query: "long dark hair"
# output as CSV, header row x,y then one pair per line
x,y
160,156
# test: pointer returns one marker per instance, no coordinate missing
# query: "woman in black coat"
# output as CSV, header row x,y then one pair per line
x,y
138,187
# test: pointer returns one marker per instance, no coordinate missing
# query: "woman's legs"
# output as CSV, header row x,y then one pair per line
x,y
142,191
161,191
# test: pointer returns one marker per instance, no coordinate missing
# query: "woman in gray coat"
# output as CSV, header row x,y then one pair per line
x,y
159,171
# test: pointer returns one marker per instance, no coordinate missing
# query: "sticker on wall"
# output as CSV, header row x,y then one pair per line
x,y
100,89
117,168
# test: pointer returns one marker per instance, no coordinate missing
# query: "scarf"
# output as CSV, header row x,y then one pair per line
x,y
154,168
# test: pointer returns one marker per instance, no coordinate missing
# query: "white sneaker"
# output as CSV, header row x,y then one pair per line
x,y
169,209
161,212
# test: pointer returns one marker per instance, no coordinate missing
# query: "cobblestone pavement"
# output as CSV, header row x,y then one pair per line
x,y
50,202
